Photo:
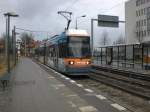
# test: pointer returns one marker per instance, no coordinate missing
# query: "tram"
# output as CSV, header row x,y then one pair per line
x,y
69,52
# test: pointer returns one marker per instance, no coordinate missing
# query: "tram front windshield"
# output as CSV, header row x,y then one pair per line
x,y
79,47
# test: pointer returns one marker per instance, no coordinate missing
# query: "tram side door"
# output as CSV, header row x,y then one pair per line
x,y
56,57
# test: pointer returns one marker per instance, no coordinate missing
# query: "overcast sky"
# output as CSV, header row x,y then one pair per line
x,y
42,15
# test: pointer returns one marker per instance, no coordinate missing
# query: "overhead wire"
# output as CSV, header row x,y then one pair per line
x,y
72,4
32,30
106,10
115,6
35,32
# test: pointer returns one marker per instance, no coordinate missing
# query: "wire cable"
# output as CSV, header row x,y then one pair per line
x,y
115,6
32,30
72,4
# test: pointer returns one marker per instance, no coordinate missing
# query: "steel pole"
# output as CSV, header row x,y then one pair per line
x,y
92,29
92,35
15,43
8,43
12,45
76,24
44,53
25,47
6,47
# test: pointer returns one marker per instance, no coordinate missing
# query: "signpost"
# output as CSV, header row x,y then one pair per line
x,y
108,21
104,21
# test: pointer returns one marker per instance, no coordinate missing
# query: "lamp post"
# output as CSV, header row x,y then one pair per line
x,y
8,15
14,33
77,20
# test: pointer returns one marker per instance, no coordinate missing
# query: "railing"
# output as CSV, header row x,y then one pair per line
x,y
123,56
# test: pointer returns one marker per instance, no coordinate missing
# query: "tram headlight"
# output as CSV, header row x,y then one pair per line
x,y
88,62
71,62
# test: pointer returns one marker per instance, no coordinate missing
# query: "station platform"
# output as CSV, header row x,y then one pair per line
x,y
35,89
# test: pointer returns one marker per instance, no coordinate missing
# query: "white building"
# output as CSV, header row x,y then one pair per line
x,y
137,21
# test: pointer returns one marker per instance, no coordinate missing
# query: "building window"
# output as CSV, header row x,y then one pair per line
x,y
137,2
143,1
144,11
144,22
137,13
137,34
140,2
137,24
140,33
141,12
148,24
148,33
148,10
144,33
141,22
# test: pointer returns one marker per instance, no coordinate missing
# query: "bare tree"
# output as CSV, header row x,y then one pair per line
x,y
120,40
104,39
27,39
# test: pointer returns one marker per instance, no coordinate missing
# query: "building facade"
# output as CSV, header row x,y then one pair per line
x,y
137,15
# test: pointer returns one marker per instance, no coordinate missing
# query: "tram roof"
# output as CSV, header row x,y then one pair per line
x,y
71,32
76,32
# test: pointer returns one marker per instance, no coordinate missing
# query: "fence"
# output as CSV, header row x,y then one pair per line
x,y
123,56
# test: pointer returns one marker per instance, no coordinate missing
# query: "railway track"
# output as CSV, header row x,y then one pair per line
x,y
133,83
132,74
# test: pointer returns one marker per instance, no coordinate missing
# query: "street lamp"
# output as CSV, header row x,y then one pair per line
x,y
11,14
8,15
15,49
77,20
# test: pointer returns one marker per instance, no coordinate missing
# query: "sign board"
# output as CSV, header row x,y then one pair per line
x,y
108,21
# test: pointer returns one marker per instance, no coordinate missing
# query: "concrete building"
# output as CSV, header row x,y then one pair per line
x,y
137,15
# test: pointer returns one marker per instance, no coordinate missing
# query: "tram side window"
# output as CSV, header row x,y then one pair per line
x,y
54,52
51,52
62,50
41,51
